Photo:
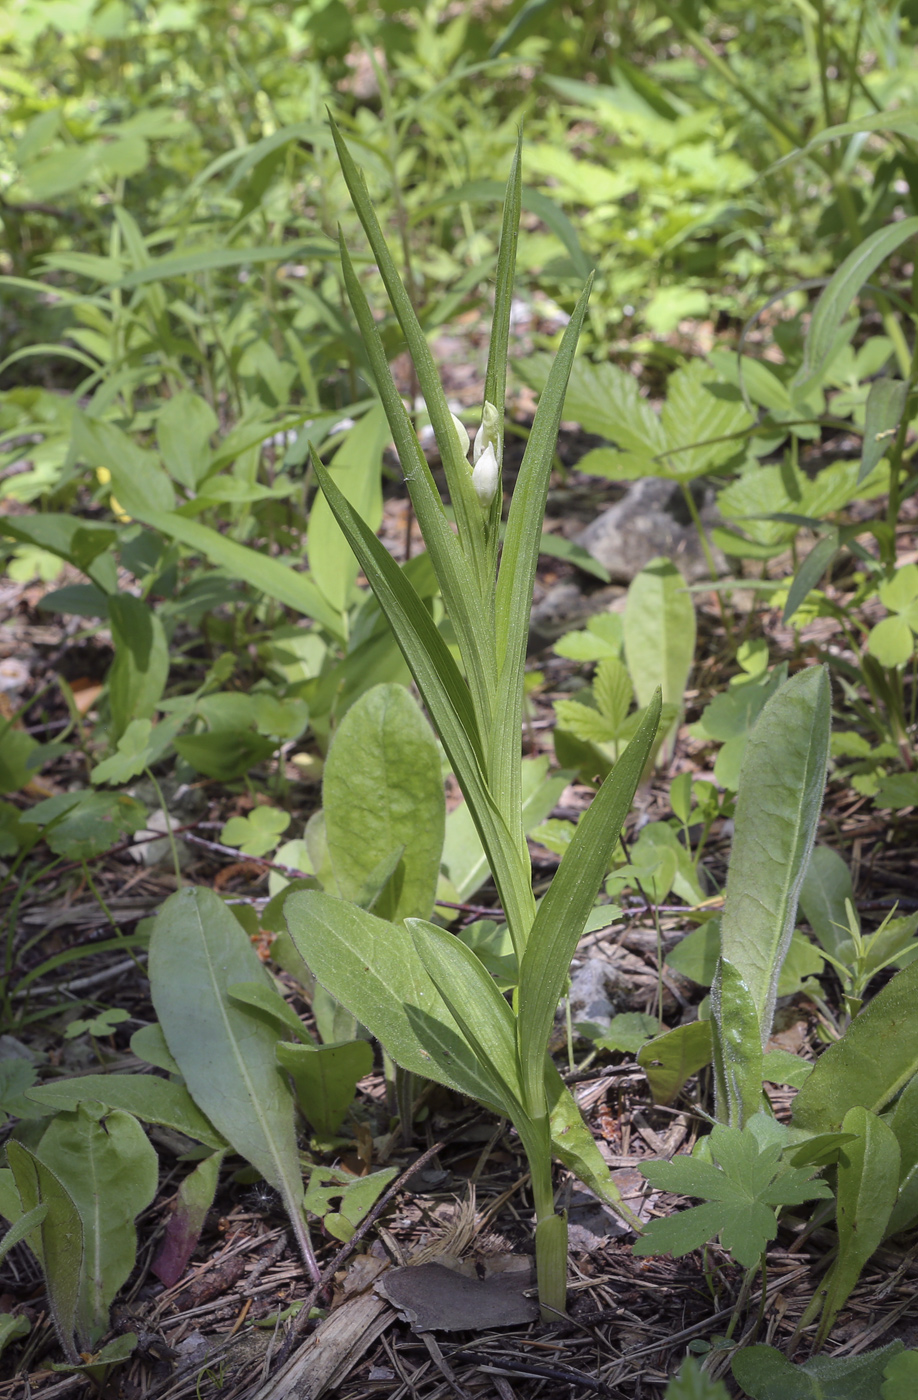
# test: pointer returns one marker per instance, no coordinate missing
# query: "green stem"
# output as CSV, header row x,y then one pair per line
x,y
169,832
97,895
709,556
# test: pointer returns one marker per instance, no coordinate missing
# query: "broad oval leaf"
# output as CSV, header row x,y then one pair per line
x,y
383,789
108,1166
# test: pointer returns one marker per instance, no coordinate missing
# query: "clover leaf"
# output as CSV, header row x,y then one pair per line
x,y
258,833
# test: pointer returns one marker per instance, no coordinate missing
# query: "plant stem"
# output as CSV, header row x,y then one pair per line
x,y
708,554
169,832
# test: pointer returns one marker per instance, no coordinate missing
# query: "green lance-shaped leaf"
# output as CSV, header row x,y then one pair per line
x,y
457,584
465,503
22,1227
146,1096
875,1058
563,912
868,1180
225,1053
659,632
737,1043
372,967
446,696
780,793
513,599
59,1243
357,468
477,1006
183,1228
269,576
383,789
325,1079
826,888
882,415
904,1122
12,1328
670,1059
140,670
833,304
267,1000
109,1168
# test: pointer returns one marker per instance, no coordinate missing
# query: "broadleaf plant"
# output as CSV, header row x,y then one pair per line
x,y
742,1193
433,1005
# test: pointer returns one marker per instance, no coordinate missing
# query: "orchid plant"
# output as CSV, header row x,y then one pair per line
x,y
419,989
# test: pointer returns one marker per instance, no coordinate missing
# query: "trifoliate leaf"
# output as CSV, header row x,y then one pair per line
x,y
258,833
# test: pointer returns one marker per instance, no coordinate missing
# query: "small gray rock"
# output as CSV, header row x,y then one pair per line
x,y
652,519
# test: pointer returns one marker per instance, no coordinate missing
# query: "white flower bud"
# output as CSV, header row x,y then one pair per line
x,y
486,476
461,434
488,433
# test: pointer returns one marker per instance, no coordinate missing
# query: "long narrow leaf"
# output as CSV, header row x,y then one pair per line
x,y
563,912
268,575
471,994
498,349
457,584
465,502
840,292
373,968
445,694
780,795
518,566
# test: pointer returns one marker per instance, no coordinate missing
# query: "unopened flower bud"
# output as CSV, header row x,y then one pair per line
x,y
461,434
486,476
488,433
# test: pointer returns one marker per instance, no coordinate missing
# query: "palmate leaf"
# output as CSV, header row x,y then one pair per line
x,y
741,1196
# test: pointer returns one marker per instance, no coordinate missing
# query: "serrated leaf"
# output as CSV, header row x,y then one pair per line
x,y
613,691
742,1194
584,723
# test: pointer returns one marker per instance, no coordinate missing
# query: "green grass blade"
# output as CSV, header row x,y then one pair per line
x,y
563,912
444,692
465,502
517,570
843,287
